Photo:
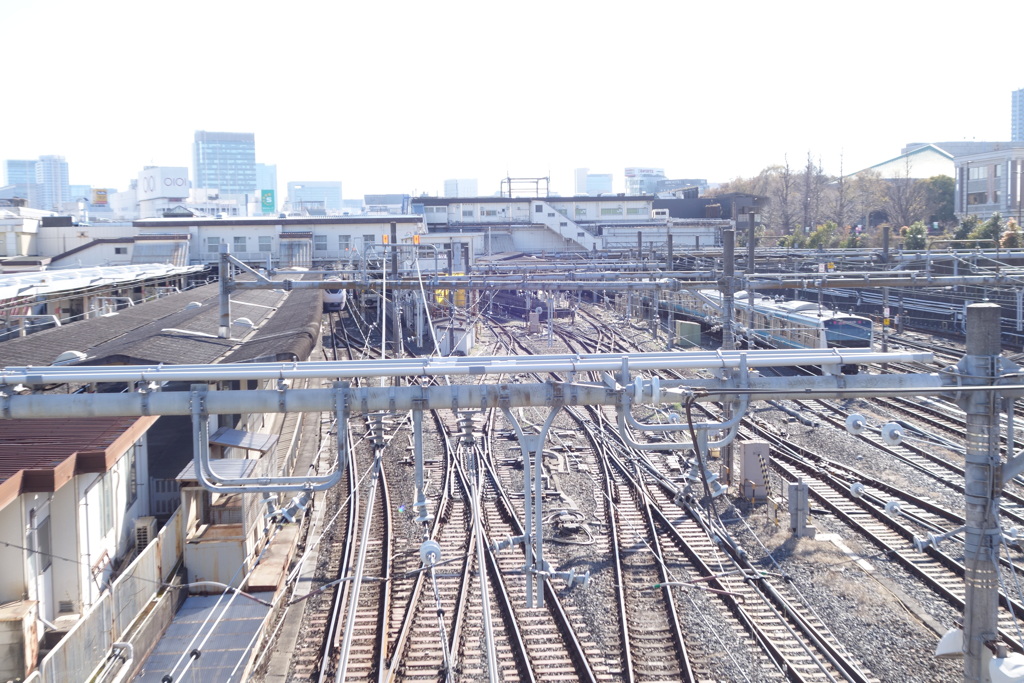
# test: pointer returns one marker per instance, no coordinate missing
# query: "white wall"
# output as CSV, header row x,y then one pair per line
x,y
12,580
52,241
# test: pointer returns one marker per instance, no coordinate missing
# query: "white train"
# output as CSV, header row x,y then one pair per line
x,y
769,322
334,298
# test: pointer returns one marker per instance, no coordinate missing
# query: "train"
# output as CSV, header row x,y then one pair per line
x,y
334,298
518,304
775,323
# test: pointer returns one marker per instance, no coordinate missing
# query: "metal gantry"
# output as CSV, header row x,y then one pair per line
x,y
981,383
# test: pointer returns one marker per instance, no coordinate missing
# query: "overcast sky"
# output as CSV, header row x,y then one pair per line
x,y
395,96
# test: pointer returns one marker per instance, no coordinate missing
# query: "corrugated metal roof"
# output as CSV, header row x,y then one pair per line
x,y
226,468
43,455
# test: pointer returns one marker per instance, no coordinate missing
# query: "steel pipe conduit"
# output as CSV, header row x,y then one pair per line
x,y
469,365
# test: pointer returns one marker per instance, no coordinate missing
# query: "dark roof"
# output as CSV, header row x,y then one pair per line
x,y
43,347
144,334
171,339
289,335
43,455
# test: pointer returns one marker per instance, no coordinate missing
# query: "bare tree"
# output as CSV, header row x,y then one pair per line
x,y
904,199
841,206
783,197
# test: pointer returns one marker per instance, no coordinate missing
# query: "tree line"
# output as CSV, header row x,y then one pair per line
x,y
808,208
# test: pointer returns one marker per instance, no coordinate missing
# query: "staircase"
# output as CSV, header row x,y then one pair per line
x,y
575,234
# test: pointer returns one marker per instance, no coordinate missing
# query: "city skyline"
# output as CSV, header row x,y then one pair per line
x,y
436,101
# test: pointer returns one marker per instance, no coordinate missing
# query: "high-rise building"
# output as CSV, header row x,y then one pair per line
x,y
641,181
599,183
20,181
313,194
460,187
225,162
1017,116
580,174
52,179
18,171
592,184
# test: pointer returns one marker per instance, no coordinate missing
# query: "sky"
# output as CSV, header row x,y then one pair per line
x,y
397,96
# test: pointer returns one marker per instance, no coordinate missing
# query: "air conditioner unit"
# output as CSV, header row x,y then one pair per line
x,y
145,531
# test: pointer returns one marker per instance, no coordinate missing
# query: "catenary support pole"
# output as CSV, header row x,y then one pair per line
x,y
225,280
982,487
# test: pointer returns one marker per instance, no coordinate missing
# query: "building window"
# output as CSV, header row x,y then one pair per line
x,y
467,213
239,244
997,170
39,541
320,242
369,240
995,197
977,172
614,211
977,198
489,212
120,250
581,212
213,244
266,243
106,505
44,544
636,211
539,209
133,476
344,242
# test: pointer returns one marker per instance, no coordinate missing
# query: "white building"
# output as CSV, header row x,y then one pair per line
x,y
293,241
592,184
534,225
315,196
991,182
69,504
460,187
52,180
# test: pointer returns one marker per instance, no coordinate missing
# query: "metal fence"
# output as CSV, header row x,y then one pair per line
x,y
85,648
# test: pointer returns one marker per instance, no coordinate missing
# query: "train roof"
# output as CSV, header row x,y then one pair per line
x,y
793,309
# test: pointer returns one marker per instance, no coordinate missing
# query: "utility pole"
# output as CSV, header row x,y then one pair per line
x,y
396,305
983,483
727,287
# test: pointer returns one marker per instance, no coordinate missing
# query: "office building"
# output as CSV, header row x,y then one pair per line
x,y
592,184
989,183
313,195
20,181
1017,116
462,187
18,171
225,162
52,179
641,181
599,183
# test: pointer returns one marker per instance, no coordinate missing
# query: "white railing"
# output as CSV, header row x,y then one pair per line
x,y
570,231
84,649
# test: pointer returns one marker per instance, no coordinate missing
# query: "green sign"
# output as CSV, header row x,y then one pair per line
x,y
267,201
